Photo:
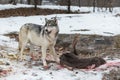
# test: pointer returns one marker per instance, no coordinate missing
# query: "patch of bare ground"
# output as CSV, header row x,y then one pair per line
x,y
87,45
113,75
30,12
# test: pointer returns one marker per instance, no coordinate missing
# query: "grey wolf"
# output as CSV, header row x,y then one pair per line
x,y
44,36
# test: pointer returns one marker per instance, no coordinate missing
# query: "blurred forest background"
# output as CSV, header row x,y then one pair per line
x,y
108,4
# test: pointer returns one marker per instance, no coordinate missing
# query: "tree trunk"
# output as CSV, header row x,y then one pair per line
x,y
14,2
35,4
21,1
69,4
94,5
79,2
40,2
111,5
28,1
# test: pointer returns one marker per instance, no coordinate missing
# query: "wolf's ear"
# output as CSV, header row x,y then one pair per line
x,y
46,19
55,18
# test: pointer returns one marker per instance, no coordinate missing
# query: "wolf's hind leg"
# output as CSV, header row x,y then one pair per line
x,y
22,49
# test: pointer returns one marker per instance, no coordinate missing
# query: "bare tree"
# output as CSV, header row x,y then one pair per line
x,y
21,1
110,5
69,4
28,1
14,2
100,4
35,4
94,5
40,2
79,3
88,2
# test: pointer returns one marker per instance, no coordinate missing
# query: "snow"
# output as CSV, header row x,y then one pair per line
x,y
107,25
22,73
101,23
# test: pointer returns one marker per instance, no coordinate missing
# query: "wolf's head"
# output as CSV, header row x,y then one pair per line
x,y
51,27
51,22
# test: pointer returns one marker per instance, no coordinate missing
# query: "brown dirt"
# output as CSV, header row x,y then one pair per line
x,y
29,12
87,45
113,75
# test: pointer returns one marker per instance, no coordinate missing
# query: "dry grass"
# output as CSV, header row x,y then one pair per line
x,y
29,12
117,41
113,75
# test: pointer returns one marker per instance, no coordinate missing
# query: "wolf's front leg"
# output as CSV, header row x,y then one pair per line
x,y
52,51
44,56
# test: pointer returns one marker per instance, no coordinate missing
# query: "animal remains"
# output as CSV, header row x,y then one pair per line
x,y
44,36
71,61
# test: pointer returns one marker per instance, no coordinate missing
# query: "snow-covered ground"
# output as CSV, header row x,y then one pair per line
x,y
22,73
101,23
94,23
